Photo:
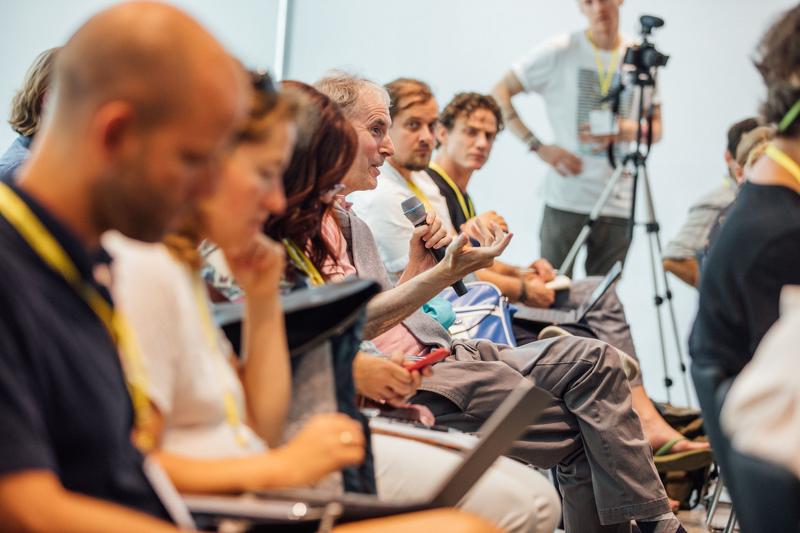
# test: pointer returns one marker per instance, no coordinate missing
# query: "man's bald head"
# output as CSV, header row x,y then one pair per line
x,y
145,104
144,53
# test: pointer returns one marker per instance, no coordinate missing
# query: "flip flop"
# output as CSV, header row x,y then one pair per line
x,y
693,429
681,461
677,416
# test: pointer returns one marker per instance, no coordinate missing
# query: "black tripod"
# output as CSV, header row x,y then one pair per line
x,y
634,165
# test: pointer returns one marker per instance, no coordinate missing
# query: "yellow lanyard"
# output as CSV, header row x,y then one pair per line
x,y
419,194
41,241
466,205
604,75
301,261
231,409
783,159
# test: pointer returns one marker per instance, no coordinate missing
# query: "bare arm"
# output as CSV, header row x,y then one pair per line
x,y
450,520
391,307
311,454
657,125
529,290
35,500
266,373
503,92
509,285
564,162
506,269
686,269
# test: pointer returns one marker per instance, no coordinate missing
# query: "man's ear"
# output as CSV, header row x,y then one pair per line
x,y
441,134
728,157
738,172
113,128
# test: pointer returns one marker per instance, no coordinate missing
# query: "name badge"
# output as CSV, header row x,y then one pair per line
x,y
602,122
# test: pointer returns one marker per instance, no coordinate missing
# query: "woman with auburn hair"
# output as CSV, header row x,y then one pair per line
x,y
311,180
510,494
212,419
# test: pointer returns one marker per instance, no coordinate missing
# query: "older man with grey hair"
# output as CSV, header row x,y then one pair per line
x,y
590,432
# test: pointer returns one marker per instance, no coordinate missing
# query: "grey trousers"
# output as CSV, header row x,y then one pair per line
x,y
590,432
607,243
607,319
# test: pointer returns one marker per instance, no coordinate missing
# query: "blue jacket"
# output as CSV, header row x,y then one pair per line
x,y
16,154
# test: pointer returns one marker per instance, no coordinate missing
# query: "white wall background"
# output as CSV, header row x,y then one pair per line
x,y
467,45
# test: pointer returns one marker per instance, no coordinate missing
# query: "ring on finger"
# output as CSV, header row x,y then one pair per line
x,y
345,437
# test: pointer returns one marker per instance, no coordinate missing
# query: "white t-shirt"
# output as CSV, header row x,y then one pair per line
x,y
761,413
564,72
380,209
187,375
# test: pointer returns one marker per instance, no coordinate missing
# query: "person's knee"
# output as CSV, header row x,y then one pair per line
x,y
599,354
517,498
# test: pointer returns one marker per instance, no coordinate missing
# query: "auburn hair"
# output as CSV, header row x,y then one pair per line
x,y
325,150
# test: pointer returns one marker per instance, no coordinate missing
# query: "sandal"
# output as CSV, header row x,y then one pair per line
x,y
693,429
681,461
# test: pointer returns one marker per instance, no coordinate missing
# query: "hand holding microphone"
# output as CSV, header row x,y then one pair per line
x,y
461,257
416,214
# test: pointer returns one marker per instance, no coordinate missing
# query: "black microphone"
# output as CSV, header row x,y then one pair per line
x,y
415,213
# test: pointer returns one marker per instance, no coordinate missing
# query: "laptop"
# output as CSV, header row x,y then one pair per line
x,y
520,409
571,316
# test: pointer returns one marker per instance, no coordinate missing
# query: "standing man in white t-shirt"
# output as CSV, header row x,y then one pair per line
x,y
573,72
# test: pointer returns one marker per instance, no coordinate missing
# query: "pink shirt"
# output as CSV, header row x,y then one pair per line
x,y
333,236
397,339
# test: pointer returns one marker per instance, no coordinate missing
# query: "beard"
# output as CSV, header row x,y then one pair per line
x,y
415,161
126,201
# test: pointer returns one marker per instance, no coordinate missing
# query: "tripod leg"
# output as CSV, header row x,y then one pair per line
x,y
657,301
591,219
654,230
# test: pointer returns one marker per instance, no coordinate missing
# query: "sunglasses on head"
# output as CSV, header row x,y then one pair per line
x,y
262,81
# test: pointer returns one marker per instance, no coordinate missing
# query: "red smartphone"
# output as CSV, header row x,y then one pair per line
x,y
434,357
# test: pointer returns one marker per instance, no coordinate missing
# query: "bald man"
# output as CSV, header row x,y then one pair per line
x,y
130,140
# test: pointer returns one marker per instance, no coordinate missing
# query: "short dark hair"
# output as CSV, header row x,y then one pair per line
x,y
736,131
406,92
778,62
464,104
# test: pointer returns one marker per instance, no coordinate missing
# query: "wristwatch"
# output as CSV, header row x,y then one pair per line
x,y
533,143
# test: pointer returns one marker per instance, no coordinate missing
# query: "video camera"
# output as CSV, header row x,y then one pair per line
x,y
644,57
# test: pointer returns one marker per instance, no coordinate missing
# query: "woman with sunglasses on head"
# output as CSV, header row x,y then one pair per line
x,y
211,419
